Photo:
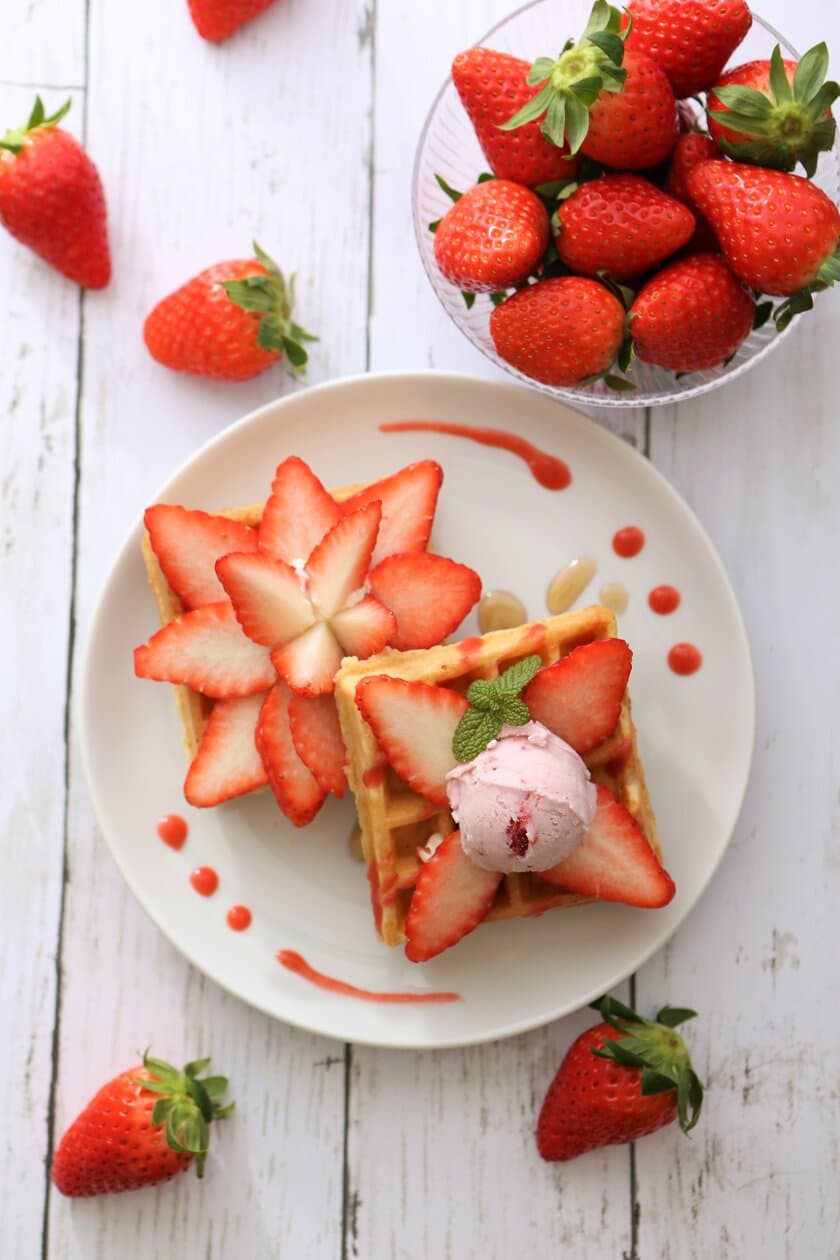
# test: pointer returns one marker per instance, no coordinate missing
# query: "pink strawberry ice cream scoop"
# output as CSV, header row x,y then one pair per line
x,y
524,803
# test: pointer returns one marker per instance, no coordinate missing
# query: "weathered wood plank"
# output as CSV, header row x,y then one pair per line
x,y
43,46
183,193
760,465
39,332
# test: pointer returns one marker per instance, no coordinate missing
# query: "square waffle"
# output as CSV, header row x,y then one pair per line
x,y
395,821
193,707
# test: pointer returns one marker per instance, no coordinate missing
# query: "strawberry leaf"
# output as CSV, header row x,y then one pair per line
x,y
654,1082
810,72
671,1016
452,193
779,83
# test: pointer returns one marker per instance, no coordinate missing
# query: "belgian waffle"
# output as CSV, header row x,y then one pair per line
x,y
395,821
192,706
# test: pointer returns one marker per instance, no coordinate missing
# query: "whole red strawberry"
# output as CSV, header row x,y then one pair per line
x,y
143,1127
775,113
691,40
620,1080
693,314
612,105
691,149
621,224
51,198
230,322
216,20
493,86
778,232
493,237
560,331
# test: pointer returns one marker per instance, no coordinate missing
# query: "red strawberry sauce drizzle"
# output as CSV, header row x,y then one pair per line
x,y
628,541
204,880
239,918
172,830
293,961
664,600
547,470
685,658
469,650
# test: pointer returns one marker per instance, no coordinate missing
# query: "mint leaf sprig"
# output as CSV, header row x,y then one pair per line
x,y
492,705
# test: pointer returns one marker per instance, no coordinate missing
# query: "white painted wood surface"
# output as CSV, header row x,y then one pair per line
x,y
300,132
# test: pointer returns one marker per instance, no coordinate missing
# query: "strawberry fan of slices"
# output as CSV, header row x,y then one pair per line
x,y
271,612
578,698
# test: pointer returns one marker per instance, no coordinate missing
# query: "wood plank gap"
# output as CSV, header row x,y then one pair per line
x,y
349,1236
68,714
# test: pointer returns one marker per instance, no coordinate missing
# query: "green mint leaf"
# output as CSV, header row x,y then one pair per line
x,y
515,711
518,675
481,695
473,733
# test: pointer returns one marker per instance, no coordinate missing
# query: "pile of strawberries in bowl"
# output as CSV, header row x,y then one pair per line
x,y
641,217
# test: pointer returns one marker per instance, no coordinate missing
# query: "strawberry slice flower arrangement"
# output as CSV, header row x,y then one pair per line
x,y
269,611
643,201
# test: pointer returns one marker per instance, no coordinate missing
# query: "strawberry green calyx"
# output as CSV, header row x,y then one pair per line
x,y
272,298
492,705
656,1051
828,274
790,123
14,140
572,83
187,1105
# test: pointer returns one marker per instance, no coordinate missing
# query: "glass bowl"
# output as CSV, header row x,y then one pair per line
x,y
448,147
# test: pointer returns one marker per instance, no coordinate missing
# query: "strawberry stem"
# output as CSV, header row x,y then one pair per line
x,y
656,1051
269,296
572,83
186,1105
14,140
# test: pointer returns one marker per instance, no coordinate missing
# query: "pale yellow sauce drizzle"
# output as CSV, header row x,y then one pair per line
x,y
616,597
500,610
569,583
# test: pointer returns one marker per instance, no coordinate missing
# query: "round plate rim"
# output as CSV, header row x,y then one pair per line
x,y
318,1025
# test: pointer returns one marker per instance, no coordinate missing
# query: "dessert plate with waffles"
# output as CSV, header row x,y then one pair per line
x,y
356,711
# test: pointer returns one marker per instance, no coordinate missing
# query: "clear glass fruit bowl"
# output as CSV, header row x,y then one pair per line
x,y
448,147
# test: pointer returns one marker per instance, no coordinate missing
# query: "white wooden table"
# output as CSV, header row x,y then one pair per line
x,y
301,132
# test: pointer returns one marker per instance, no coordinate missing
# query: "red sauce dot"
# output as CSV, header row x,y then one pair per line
x,y
664,599
204,880
685,658
172,830
239,918
628,541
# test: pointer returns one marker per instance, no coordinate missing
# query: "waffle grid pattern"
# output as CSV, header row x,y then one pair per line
x,y
395,821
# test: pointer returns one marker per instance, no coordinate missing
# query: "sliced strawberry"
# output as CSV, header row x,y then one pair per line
x,y
429,595
364,628
339,563
227,763
309,662
317,736
207,650
295,787
579,697
267,597
414,722
615,861
409,499
188,544
298,513
451,897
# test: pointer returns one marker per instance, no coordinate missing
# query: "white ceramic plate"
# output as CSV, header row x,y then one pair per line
x,y
305,890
